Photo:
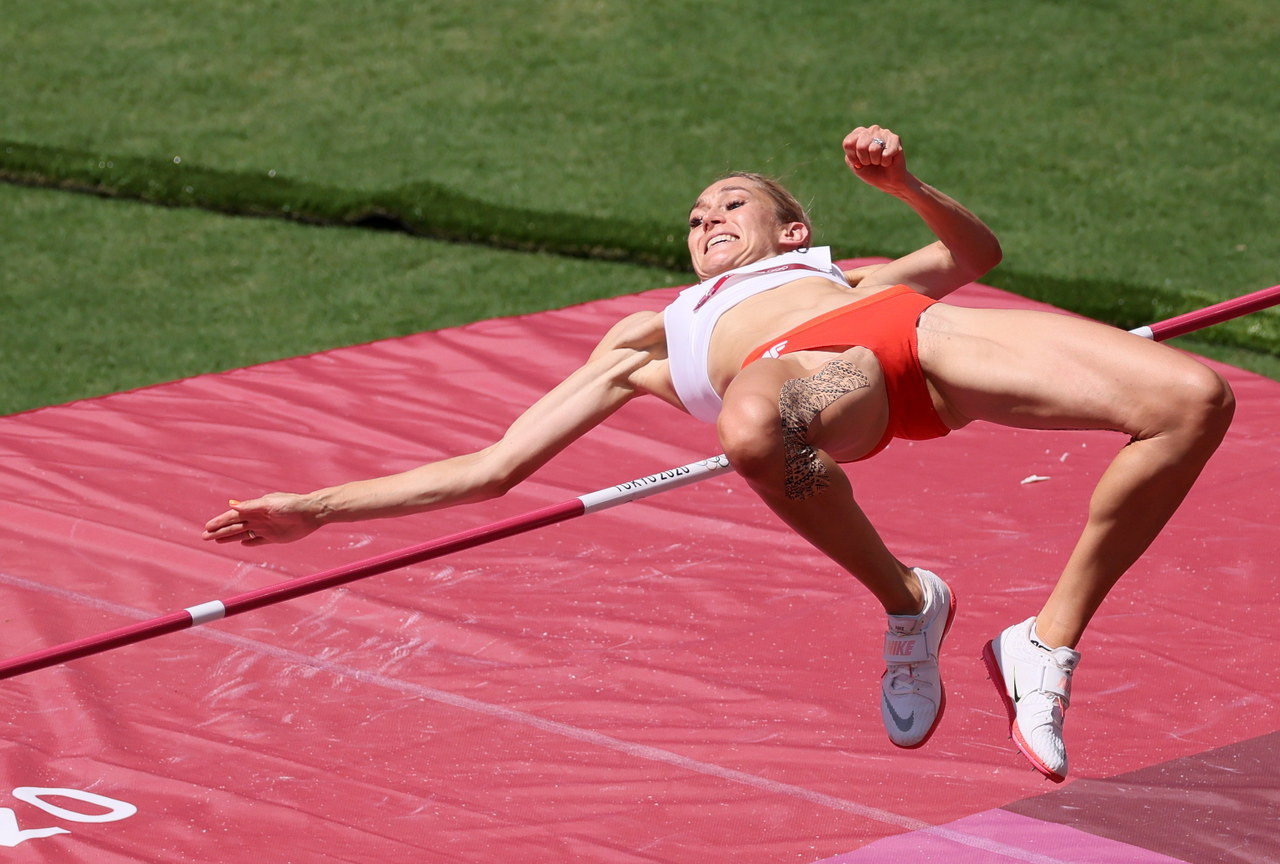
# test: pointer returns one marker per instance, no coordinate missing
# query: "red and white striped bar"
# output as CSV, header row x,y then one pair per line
x,y
214,610
1180,325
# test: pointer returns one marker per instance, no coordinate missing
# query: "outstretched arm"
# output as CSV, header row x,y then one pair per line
x,y
965,248
582,401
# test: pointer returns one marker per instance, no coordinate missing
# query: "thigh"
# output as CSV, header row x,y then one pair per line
x,y
1046,370
838,399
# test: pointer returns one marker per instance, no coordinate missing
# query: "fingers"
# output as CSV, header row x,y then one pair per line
x,y
234,532
871,146
231,526
278,517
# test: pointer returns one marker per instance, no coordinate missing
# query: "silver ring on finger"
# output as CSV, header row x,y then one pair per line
x,y
879,141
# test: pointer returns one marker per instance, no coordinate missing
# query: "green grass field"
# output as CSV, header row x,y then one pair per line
x,y
545,153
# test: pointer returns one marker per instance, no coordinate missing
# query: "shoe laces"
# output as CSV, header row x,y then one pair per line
x,y
900,673
902,678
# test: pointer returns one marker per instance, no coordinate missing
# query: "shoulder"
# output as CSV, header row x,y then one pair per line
x,y
639,331
634,353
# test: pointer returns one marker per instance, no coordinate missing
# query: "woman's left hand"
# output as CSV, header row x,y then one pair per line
x,y
875,155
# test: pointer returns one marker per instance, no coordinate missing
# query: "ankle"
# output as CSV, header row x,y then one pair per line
x,y
1049,637
910,600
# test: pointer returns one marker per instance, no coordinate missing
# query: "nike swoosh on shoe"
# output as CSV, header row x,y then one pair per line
x,y
904,724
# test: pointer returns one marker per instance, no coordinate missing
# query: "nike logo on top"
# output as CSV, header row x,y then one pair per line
x,y
904,724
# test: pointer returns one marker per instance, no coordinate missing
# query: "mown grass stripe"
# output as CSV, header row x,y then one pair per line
x,y
434,211
423,208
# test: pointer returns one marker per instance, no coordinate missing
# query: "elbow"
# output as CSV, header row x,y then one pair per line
x,y
987,257
493,486
495,476
498,487
486,492
995,255
980,260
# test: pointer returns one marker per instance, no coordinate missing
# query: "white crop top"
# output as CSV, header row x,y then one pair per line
x,y
691,318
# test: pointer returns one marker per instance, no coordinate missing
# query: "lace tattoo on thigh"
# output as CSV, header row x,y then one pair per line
x,y
801,400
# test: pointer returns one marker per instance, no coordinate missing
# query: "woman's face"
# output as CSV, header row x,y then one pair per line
x,y
733,223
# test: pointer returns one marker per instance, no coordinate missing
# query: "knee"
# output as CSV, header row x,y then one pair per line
x,y
1201,406
1219,405
750,431
1210,402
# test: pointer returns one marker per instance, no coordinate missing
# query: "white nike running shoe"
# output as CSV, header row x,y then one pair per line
x,y
913,698
1034,683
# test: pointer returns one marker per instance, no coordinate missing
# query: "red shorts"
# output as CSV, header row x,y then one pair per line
x,y
885,322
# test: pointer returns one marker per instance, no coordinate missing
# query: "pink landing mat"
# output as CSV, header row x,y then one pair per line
x,y
674,680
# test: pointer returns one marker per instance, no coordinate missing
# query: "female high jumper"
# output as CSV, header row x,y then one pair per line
x,y
802,367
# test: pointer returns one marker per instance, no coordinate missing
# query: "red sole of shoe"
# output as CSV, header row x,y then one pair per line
x,y
997,679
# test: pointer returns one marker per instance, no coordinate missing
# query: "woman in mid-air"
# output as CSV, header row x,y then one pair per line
x,y
802,367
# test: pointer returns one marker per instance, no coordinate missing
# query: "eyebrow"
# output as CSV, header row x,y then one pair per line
x,y
701,202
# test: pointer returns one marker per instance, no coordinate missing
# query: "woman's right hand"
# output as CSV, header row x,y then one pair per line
x,y
280,517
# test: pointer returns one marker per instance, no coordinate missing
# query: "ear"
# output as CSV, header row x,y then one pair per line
x,y
794,235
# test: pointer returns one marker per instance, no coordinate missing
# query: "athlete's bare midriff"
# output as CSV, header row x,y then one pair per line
x,y
758,319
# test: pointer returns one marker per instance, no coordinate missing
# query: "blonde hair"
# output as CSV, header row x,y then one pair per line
x,y
785,206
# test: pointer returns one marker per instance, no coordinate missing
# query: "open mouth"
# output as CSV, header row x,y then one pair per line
x,y
720,240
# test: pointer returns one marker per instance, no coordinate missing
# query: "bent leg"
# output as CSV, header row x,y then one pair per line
x,y
782,420
1039,370
784,425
